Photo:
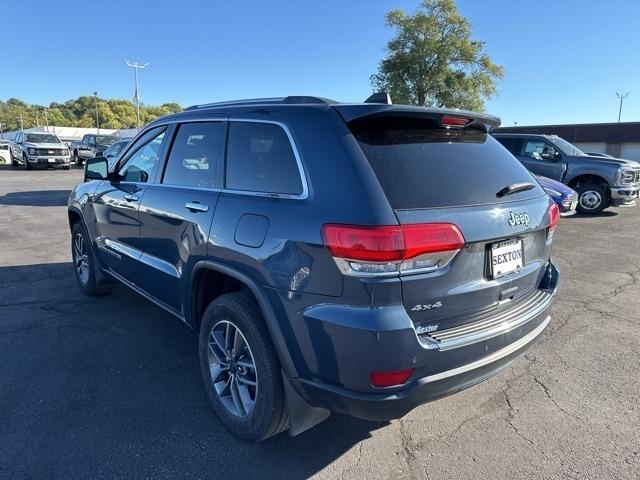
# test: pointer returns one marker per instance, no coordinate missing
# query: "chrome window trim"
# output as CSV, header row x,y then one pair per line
x,y
221,118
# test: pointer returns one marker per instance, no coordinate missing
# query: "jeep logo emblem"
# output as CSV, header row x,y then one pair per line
x,y
518,219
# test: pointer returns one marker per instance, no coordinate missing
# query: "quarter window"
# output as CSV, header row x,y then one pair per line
x,y
142,161
260,158
196,153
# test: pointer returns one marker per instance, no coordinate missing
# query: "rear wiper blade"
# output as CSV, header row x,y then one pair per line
x,y
515,188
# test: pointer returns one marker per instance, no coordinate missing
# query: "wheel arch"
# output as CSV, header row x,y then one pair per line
x,y
588,177
263,303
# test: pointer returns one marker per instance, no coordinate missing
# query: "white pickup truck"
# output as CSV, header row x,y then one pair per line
x,y
39,149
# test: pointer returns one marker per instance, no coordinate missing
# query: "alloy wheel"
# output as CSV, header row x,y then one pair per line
x,y
232,369
81,258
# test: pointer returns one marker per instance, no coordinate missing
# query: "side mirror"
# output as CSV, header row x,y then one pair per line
x,y
550,153
96,169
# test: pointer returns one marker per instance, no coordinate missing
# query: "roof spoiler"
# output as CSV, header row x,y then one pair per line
x,y
379,97
361,111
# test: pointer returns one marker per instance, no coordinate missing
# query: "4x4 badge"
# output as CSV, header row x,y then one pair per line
x,y
518,219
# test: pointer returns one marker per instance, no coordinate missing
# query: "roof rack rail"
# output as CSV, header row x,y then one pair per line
x,y
292,99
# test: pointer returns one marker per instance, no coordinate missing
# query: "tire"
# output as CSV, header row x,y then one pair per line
x,y
249,412
76,158
87,277
26,162
14,162
593,198
67,167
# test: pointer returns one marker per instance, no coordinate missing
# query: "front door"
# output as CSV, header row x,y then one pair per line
x,y
116,205
536,157
176,212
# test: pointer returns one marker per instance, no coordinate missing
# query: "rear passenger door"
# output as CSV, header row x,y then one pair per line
x,y
176,212
263,206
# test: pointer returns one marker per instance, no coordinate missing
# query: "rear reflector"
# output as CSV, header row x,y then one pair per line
x,y
450,121
390,379
382,250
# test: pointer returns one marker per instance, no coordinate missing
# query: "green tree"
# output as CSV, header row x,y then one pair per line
x,y
80,112
433,61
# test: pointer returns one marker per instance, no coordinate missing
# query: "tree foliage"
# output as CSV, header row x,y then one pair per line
x,y
433,61
80,112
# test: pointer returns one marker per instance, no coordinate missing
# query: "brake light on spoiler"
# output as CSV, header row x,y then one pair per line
x,y
394,249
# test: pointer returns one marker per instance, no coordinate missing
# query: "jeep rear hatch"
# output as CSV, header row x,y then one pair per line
x,y
442,168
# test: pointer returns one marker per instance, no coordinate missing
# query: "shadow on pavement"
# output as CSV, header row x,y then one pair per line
x,y
110,386
40,198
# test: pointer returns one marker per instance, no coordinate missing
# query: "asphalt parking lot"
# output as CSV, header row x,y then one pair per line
x,y
109,387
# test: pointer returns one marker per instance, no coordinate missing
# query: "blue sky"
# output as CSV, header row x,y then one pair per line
x,y
564,60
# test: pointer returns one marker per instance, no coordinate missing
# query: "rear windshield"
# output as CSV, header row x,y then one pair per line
x,y
421,165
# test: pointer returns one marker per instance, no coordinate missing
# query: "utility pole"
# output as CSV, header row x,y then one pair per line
x,y
136,96
621,97
1,134
95,94
37,122
46,118
21,123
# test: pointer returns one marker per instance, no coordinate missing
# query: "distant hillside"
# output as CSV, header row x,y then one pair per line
x,y
81,112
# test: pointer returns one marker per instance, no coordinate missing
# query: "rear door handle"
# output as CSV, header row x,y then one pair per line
x,y
196,207
130,197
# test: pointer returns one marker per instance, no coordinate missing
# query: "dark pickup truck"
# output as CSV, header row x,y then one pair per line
x,y
91,146
601,182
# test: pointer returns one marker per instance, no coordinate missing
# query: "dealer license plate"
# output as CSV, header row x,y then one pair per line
x,y
51,160
506,257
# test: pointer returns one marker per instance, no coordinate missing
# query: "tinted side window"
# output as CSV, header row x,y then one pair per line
x,y
143,158
260,158
195,155
511,144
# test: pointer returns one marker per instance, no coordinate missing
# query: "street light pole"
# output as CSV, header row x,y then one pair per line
x,y
46,118
621,97
95,94
136,96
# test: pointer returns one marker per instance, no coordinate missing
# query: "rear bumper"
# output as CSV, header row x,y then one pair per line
x,y
423,390
440,368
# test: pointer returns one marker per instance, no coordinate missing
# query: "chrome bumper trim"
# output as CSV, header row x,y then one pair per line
x,y
493,326
495,356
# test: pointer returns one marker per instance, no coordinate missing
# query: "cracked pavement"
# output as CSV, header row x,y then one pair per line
x,y
110,388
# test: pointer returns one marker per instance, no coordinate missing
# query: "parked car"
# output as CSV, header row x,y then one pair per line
x,y
5,154
39,149
566,198
600,182
327,256
112,152
91,146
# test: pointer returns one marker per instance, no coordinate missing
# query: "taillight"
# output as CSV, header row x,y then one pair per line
x,y
554,218
385,250
390,379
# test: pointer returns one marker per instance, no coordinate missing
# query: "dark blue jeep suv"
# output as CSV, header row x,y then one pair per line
x,y
359,258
